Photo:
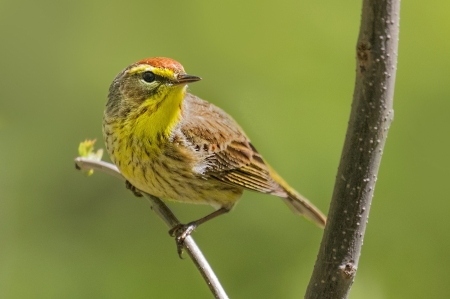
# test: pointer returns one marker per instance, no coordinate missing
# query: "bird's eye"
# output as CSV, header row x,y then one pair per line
x,y
148,77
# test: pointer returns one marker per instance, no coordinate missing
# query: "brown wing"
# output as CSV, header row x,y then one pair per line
x,y
229,155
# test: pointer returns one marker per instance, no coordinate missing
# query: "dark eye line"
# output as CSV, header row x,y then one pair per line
x,y
157,78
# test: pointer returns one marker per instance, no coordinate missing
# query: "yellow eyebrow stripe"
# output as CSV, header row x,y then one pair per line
x,y
166,73
140,69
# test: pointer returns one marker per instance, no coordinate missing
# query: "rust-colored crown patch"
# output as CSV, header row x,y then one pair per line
x,y
163,62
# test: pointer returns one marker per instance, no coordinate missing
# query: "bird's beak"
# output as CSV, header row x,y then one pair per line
x,y
185,78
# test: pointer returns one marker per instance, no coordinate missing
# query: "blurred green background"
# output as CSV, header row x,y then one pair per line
x,y
285,71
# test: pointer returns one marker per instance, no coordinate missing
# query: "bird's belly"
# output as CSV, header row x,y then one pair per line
x,y
171,177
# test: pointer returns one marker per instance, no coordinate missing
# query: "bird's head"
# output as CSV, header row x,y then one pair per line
x,y
150,81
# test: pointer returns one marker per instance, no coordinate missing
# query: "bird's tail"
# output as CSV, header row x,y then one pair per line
x,y
298,204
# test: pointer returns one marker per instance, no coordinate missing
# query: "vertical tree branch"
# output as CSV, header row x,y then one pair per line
x,y
166,215
370,119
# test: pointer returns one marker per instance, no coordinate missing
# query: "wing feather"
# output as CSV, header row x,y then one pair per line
x,y
228,154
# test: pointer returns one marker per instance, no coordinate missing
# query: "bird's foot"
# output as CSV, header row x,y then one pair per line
x,y
181,232
133,189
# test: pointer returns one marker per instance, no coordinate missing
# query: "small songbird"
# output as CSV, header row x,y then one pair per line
x,y
176,146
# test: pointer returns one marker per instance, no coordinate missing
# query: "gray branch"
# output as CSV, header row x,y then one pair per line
x,y
370,119
170,220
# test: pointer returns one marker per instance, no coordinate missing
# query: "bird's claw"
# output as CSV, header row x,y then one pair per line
x,y
181,232
133,189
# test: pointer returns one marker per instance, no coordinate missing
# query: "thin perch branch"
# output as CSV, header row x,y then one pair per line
x,y
170,220
370,119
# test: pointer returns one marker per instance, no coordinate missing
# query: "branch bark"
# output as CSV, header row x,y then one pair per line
x,y
170,220
370,119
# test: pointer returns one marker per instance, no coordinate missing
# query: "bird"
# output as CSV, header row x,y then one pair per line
x,y
173,145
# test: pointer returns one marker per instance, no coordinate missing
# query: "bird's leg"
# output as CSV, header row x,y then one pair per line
x,y
133,189
181,231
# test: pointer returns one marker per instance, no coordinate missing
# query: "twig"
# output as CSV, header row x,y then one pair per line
x,y
170,220
370,119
